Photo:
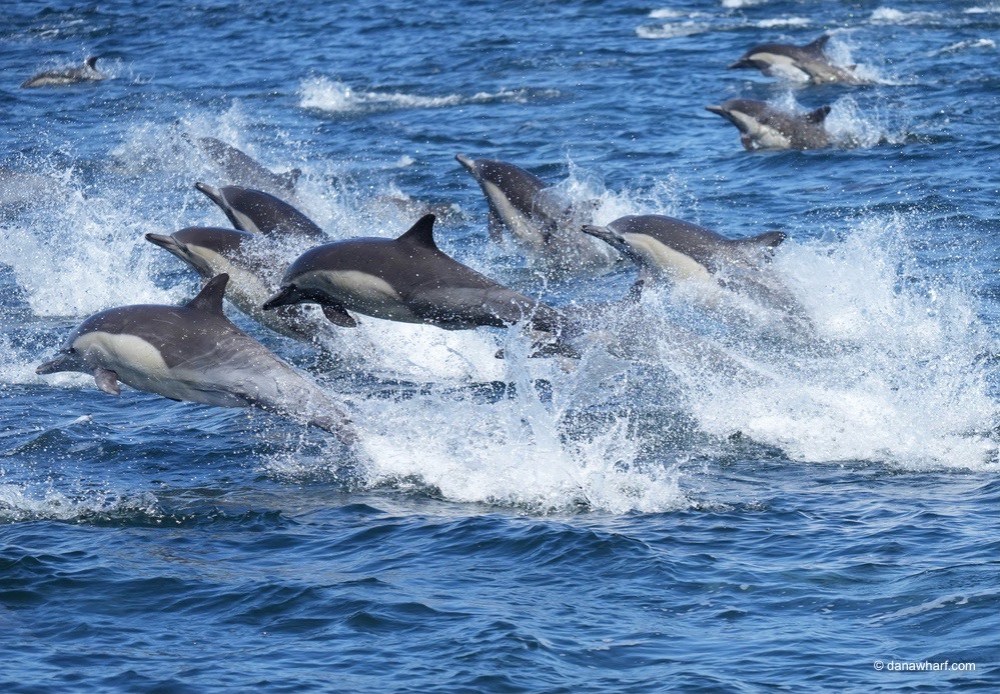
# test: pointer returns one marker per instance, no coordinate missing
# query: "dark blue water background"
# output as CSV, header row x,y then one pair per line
x,y
621,525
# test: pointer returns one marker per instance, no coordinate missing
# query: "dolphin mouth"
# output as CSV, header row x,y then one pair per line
x,y
286,296
469,164
52,366
168,242
213,194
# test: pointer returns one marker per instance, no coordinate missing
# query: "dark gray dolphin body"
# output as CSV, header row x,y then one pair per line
x,y
546,226
193,353
801,63
243,170
252,279
674,250
257,212
762,126
88,72
407,279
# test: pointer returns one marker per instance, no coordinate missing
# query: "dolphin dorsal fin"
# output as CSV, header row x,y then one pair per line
x,y
766,241
210,297
818,45
819,115
421,233
91,62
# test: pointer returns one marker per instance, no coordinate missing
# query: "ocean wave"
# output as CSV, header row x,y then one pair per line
x,y
890,15
967,45
334,96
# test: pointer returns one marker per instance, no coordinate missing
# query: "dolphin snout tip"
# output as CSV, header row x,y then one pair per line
x,y
714,108
160,240
284,297
465,161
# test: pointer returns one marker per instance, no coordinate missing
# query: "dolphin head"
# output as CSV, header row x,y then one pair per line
x,y
288,295
199,246
68,358
742,113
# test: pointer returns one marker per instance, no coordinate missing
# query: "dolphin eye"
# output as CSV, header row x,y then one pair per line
x,y
71,350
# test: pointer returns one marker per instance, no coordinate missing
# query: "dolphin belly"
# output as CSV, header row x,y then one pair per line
x,y
672,263
361,291
783,66
514,219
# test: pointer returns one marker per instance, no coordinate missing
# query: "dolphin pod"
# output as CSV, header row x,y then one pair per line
x,y
194,353
762,126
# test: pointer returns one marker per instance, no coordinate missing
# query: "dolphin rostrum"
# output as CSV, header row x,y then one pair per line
x,y
252,275
762,126
193,353
257,212
60,77
406,279
800,63
543,224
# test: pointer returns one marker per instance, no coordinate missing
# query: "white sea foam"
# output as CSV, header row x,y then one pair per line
x,y
895,374
737,4
333,96
988,44
781,22
20,502
890,15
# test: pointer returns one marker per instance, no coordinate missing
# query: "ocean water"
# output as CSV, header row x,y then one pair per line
x,y
713,505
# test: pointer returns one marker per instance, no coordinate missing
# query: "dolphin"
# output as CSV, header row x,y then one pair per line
x,y
243,170
406,279
193,353
257,212
670,249
800,63
545,226
762,126
88,72
252,278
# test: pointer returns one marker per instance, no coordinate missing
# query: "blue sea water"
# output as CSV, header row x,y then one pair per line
x,y
641,520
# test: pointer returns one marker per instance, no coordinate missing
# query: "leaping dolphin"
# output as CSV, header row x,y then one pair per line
x,y
243,170
252,279
64,76
193,353
806,63
671,249
406,279
762,126
257,212
544,225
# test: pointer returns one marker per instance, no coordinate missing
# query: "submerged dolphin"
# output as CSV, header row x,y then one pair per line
x,y
257,212
671,249
521,203
72,75
406,279
252,278
193,353
243,170
801,63
762,126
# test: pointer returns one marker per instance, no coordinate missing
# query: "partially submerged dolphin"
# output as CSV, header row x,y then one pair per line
x,y
546,226
806,63
762,126
88,72
257,212
671,249
406,279
252,279
243,170
193,353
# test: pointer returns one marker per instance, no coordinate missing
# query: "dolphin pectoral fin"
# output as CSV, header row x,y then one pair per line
x,y
107,380
338,316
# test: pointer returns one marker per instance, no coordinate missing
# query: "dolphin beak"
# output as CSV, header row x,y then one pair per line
x,y
466,162
168,242
741,63
214,194
714,109
286,296
53,365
